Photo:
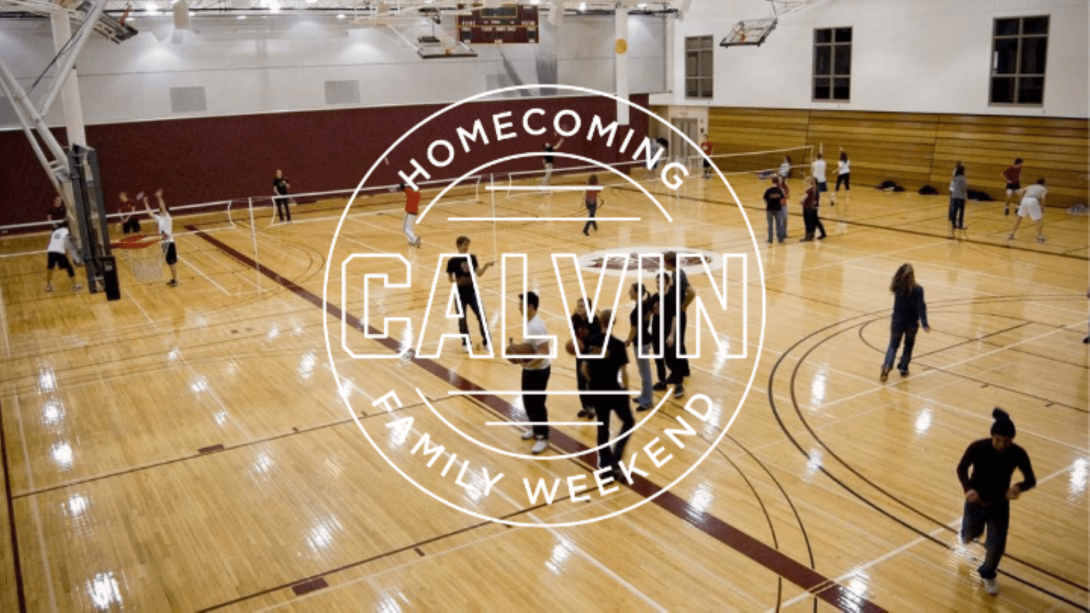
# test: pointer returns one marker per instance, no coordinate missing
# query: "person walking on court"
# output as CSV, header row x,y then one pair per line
x,y
550,160
843,176
810,211
774,198
535,373
608,373
988,492
1032,206
130,223
57,256
280,189
909,311
708,148
460,271
590,200
166,235
958,195
639,337
412,209
817,170
1013,176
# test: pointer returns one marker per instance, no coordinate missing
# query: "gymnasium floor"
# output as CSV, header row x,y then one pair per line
x,y
188,448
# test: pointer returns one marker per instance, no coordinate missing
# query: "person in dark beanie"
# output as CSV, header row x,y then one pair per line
x,y
988,491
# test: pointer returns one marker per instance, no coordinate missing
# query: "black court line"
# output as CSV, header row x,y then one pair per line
x,y
11,519
809,579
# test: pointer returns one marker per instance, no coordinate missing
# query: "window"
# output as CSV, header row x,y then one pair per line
x,y
1018,60
833,64
698,67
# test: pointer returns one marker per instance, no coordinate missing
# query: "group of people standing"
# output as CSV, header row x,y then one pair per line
x,y
1030,200
777,195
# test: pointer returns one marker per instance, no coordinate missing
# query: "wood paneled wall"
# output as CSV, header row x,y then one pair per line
x,y
915,149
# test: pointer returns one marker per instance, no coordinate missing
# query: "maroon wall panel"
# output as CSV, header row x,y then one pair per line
x,y
220,158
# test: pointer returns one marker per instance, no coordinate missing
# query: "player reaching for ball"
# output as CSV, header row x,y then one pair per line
x,y
166,235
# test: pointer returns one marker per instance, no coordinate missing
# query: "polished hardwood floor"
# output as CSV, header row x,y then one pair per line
x,y
190,448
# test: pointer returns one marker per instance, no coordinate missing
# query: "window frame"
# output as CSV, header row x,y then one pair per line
x,y
700,79
831,78
1017,75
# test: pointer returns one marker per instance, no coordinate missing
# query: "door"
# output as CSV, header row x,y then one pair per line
x,y
679,149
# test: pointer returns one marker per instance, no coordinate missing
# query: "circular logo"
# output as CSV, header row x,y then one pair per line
x,y
534,417
621,46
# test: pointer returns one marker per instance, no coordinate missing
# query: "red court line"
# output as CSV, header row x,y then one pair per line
x,y
772,559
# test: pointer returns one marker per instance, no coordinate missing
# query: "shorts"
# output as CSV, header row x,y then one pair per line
x,y
1013,187
707,164
822,187
170,253
1030,207
60,260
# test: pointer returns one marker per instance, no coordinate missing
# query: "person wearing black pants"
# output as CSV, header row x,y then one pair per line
x,y
602,373
675,332
810,211
280,188
591,202
656,328
535,374
580,323
909,311
461,271
988,492
843,175
958,195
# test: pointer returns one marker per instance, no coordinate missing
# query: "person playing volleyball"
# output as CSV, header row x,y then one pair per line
x,y
166,235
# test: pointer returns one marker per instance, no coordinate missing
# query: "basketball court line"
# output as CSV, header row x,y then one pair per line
x,y
738,540
953,524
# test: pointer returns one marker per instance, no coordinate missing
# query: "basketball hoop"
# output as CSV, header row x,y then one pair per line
x,y
749,32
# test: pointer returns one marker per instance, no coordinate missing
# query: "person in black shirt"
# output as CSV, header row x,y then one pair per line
x,y
460,271
662,283
640,336
909,311
581,316
280,188
988,491
675,332
602,374
774,198
549,148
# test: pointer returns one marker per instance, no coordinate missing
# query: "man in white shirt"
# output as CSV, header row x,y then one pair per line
x,y
166,235
817,169
1033,202
535,373
58,243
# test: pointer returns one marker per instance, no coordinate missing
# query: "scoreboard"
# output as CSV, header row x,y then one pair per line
x,y
507,24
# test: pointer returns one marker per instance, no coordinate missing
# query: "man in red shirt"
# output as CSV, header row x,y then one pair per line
x,y
412,209
708,148
1013,176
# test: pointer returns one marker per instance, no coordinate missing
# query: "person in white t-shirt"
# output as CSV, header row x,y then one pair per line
x,y
1033,202
843,176
58,257
166,235
535,373
817,169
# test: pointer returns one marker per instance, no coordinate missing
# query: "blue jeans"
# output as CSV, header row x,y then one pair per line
x,y
957,212
646,397
781,226
783,217
895,334
997,518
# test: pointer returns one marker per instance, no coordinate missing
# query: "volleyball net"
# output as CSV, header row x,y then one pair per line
x,y
760,163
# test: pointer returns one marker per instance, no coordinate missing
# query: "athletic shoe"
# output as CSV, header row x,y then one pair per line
x,y
679,391
583,413
1010,237
529,434
904,372
1040,239
49,288
1007,211
885,373
541,445
172,283
643,407
822,237
77,287
1086,341
991,586
659,387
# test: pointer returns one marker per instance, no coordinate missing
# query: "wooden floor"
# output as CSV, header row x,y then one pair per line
x,y
189,449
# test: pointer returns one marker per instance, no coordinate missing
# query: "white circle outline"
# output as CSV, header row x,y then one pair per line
x,y
663,488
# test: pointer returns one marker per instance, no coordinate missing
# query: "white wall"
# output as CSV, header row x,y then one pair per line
x,y
245,67
907,55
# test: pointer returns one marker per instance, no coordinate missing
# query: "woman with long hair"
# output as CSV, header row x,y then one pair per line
x,y
810,211
843,175
909,311
958,194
